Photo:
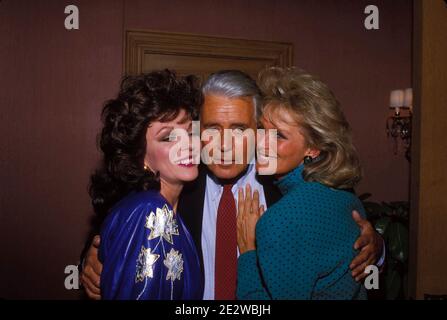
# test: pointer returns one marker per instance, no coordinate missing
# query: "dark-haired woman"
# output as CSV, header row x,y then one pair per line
x,y
146,250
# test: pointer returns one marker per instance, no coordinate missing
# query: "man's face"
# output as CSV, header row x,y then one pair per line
x,y
221,113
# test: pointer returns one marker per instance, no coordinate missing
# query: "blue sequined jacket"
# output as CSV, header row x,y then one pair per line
x,y
147,252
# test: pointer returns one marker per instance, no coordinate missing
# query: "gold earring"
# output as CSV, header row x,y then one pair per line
x,y
147,168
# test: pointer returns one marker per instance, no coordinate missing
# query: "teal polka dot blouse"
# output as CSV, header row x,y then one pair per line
x,y
304,245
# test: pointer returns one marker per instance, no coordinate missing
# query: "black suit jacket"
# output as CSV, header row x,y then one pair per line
x,y
191,201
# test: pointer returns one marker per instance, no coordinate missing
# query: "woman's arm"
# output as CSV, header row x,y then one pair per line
x,y
131,262
249,282
279,268
288,262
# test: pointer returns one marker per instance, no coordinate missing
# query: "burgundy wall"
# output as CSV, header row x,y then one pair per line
x,y
53,83
329,40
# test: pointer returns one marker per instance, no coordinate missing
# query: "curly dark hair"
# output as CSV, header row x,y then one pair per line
x,y
142,99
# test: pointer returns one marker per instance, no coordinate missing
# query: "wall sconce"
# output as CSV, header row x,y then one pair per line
x,y
399,124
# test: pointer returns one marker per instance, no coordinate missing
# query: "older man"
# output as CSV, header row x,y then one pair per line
x,y
208,206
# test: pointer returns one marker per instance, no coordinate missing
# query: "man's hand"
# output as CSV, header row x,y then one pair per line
x,y
370,244
91,273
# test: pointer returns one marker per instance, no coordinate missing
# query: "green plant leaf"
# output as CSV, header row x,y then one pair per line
x,y
397,236
373,210
402,209
388,209
381,225
402,204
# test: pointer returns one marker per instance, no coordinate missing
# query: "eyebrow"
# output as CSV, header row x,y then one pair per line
x,y
184,119
278,128
181,121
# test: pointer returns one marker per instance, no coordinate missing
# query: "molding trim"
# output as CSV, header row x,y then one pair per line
x,y
140,44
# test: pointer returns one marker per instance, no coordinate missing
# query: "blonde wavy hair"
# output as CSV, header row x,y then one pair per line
x,y
321,122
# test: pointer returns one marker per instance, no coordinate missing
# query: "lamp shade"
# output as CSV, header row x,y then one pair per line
x,y
408,97
397,98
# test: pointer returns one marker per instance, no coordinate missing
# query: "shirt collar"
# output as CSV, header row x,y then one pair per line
x,y
247,177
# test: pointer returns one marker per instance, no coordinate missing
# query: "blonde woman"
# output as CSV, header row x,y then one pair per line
x,y
304,242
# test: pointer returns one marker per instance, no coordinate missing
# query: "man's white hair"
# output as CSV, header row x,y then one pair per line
x,y
234,84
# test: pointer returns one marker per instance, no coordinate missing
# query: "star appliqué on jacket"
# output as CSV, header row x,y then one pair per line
x,y
174,263
162,224
145,262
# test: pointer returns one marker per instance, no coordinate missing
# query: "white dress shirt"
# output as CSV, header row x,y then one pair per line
x,y
213,193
